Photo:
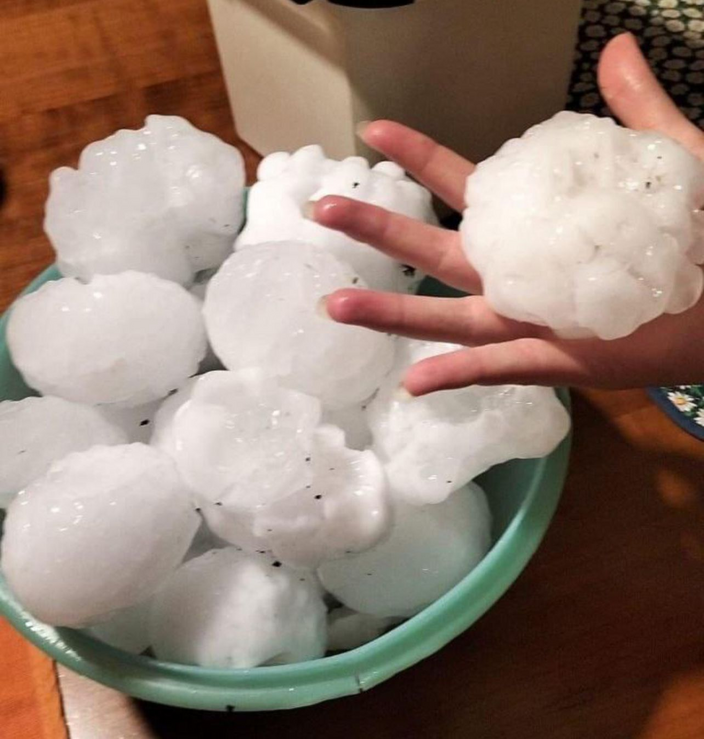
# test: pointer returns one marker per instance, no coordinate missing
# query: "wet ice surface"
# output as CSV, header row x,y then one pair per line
x,y
260,311
165,199
432,445
587,227
99,532
231,609
287,181
35,432
126,339
429,550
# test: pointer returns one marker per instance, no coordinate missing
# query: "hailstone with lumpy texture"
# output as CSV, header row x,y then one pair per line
x,y
260,311
35,432
287,181
228,609
587,227
238,439
98,533
126,339
432,445
429,550
165,199
343,510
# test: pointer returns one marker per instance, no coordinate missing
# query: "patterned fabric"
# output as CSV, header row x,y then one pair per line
x,y
670,33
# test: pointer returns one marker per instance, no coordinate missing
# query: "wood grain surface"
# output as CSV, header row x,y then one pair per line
x,y
602,636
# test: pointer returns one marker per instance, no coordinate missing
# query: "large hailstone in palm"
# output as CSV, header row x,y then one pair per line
x,y
126,339
35,432
228,609
432,445
429,550
260,311
587,227
166,199
287,181
238,439
98,533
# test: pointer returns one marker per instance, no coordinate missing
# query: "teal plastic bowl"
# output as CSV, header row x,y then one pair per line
x,y
523,495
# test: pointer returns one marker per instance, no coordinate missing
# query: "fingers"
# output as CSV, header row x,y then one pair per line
x,y
438,168
522,362
433,250
455,320
635,96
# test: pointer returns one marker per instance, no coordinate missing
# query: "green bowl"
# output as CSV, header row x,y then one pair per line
x,y
523,495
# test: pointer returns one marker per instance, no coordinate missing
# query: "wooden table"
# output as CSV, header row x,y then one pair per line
x,y
602,636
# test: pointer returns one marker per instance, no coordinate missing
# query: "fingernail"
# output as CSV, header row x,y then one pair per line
x,y
402,395
361,127
308,210
321,309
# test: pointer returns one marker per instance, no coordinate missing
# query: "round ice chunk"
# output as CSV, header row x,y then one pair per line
x,y
238,439
344,509
99,532
587,227
348,629
35,432
260,311
434,444
430,549
129,338
127,629
165,199
228,609
288,181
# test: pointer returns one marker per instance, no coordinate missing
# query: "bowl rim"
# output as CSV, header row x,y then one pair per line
x,y
307,683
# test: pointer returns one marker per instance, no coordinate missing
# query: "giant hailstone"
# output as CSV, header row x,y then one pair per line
x,y
126,339
429,550
432,445
587,227
229,609
35,432
260,311
287,181
166,199
98,533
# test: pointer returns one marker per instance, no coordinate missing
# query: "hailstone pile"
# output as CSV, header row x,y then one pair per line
x,y
216,474
286,182
587,227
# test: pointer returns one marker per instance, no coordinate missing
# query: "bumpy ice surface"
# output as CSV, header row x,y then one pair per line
x,y
260,311
99,532
429,550
587,227
288,181
238,439
434,444
127,339
165,199
35,432
233,610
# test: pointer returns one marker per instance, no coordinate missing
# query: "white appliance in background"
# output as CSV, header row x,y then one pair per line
x,y
469,73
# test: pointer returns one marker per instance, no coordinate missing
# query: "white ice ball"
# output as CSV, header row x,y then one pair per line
x,y
126,339
344,509
227,609
238,439
165,199
587,227
260,311
430,549
432,445
35,432
99,532
288,181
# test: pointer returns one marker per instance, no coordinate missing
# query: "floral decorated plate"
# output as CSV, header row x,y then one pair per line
x,y
684,404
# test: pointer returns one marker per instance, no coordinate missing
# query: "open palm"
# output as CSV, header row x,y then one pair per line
x,y
667,351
